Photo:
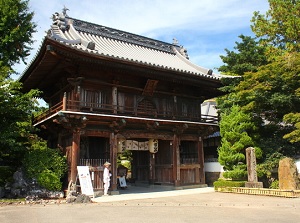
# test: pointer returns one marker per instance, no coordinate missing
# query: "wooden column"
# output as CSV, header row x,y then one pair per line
x,y
201,160
152,168
75,154
64,102
176,161
115,99
113,160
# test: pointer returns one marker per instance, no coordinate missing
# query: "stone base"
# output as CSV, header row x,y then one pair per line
x,y
254,184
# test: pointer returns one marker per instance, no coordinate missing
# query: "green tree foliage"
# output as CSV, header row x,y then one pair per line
x,y
16,108
294,119
247,56
234,125
270,92
16,29
46,165
15,119
280,26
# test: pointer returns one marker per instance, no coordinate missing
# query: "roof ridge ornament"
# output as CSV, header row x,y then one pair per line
x,y
64,11
60,20
175,41
180,48
183,52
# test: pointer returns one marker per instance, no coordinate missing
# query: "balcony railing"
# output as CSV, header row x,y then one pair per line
x,y
97,108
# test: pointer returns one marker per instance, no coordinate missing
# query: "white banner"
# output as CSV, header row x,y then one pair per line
x,y
85,180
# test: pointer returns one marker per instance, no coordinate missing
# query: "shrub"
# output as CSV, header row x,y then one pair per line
x,y
228,183
274,184
47,166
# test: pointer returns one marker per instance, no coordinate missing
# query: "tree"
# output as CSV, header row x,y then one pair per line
x,y
280,26
279,30
294,135
247,57
16,29
15,122
234,125
270,94
16,108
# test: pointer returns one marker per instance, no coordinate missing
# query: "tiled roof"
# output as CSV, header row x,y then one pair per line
x,y
122,45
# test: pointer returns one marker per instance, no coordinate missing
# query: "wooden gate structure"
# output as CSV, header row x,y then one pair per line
x,y
107,87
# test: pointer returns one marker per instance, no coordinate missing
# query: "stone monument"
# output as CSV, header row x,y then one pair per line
x,y
251,169
287,175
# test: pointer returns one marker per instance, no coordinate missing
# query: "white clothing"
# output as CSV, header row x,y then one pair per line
x,y
122,181
106,180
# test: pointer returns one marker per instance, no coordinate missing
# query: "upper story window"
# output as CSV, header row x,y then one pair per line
x,y
92,98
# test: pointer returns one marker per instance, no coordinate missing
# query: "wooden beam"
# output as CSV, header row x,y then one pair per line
x,y
136,134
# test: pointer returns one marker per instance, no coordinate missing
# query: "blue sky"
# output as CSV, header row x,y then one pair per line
x,y
204,27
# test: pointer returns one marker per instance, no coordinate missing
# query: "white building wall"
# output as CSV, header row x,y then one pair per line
x,y
214,167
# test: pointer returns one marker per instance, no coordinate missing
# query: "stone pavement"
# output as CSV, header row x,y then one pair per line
x,y
160,204
149,192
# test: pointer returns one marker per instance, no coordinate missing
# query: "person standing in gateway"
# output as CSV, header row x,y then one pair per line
x,y
106,177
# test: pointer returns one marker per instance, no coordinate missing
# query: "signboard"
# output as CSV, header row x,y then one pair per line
x,y
85,180
151,145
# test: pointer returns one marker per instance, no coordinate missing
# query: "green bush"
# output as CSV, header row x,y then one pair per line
x,y
49,180
47,166
228,183
274,184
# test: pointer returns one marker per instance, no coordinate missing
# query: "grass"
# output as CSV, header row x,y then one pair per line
x,y
17,200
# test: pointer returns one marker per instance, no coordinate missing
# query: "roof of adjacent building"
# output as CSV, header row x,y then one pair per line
x,y
114,43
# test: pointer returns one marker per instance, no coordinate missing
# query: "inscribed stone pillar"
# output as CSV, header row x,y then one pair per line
x,y
251,169
287,175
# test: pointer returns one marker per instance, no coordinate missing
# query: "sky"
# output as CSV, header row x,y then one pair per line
x,y
204,27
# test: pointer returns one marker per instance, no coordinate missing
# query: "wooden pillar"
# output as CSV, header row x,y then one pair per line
x,y
176,161
115,99
152,168
64,102
113,160
201,160
75,154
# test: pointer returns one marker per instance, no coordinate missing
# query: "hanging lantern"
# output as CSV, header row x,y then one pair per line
x,y
153,145
121,146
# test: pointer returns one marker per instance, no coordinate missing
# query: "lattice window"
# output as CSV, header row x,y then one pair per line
x,y
146,106
90,98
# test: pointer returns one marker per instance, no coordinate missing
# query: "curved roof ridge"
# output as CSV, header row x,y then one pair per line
x,y
120,35
202,70
121,44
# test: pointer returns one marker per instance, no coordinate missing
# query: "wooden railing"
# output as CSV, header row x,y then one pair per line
x,y
51,111
96,108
